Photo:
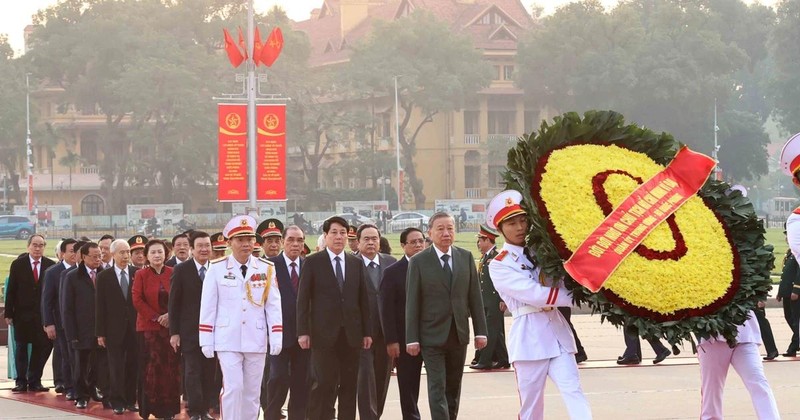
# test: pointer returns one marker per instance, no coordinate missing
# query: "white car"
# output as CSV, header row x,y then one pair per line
x,y
352,219
408,219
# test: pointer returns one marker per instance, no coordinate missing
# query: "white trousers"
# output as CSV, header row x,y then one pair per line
x,y
532,376
241,384
715,357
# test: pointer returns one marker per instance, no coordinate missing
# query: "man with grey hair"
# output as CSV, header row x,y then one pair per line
x,y
115,326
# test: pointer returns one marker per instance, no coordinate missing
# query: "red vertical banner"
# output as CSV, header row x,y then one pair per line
x,y
271,152
232,184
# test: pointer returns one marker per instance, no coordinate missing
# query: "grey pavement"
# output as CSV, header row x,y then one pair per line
x,y
667,391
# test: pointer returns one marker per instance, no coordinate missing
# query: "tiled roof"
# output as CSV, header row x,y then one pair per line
x,y
462,16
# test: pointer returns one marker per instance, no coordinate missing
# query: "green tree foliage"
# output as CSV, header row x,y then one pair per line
x,y
440,70
12,116
661,64
785,51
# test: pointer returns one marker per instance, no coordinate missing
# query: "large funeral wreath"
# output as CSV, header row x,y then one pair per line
x,y
699,272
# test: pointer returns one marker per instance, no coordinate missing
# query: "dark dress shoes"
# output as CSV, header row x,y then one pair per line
x,y
71,396
38,388
59,389
771,355
133,408
478,366
119,410
675,350
206,416
81,404
629,361
19,388
661,356
790,354
498,365
581,357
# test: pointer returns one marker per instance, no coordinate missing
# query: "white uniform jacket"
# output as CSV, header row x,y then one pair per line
x,y
536,335
749,332
229,320
793,232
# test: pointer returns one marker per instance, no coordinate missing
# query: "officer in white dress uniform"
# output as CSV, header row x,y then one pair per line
x,y
790,164
716,356
540,343
240,313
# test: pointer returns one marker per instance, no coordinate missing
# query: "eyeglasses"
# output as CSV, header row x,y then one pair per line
x,y
416,242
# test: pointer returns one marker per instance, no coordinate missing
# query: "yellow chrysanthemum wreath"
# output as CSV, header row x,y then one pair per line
x,y
699,272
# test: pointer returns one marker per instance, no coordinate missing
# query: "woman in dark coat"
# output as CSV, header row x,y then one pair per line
x,y
159,370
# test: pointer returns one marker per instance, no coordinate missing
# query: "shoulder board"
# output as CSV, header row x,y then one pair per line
x,y
501,255
796,211
220,259
265,260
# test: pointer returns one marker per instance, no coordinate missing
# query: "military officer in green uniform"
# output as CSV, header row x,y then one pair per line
x,y
495,354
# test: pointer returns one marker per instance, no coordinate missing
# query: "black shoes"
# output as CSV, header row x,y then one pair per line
x,y
38,388
119,410
661,356
498,365
81,404
60,389
789,354
581,357
133,408
19,389
628,360
71,396
771,355
479,366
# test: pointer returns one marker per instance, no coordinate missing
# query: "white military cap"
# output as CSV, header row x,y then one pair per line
x,y
790,156
241,225
503,206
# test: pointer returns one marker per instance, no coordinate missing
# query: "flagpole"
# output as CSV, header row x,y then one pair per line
x,y
251,110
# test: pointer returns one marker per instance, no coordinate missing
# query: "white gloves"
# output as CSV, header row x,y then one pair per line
x,y
208,351
274,350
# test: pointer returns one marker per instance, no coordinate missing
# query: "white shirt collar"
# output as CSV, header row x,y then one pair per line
x,y
331,255
198,265
65,264
289,261
376,260
32,260
89,270
440,253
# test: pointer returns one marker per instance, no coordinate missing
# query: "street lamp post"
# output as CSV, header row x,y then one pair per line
x,y
397,142
28,146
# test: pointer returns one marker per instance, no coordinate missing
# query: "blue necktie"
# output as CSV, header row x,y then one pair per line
x,y
339,275
202,273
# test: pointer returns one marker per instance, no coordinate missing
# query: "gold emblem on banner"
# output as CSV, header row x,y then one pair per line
x,y
271,121
233,120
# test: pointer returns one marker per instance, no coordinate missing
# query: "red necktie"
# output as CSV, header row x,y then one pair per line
x,y
295,277
36,272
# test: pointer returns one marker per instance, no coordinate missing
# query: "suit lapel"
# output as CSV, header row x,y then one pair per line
x,y
437,269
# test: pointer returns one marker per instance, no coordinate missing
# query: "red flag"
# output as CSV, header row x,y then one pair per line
x,y
234,55
257,47
272,49
242,44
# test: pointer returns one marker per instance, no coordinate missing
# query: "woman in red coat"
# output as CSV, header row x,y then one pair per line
x,y
159,367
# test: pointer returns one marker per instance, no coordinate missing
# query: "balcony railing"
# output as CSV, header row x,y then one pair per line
x,y
502,138
472,192
472,139
90,169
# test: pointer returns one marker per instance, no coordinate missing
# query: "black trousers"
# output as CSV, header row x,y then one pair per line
x,y
58,367
66,360
495,350
633,347
374,372
445,368
123,371
199,378
84,372
409,370
30,366
766,331
567,313
791,312
289,375
336,365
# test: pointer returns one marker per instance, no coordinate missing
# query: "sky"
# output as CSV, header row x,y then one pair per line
x,y
17,13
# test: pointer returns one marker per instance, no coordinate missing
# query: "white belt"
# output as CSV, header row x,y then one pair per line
x,y
525,310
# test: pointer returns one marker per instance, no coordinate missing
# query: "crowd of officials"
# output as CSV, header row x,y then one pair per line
x,y
248,318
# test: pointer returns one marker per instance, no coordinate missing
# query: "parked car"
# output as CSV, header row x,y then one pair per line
x,y
353,219
408,219
19,227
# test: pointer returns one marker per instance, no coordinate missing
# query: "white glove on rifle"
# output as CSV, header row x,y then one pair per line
x,y
208,351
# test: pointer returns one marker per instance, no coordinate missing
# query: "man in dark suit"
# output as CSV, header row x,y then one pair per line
x,y
116,327
51,316
333,320
181,248
23,310
68,368
184,314
375,366
289,371
78,316
106,259
442,291
393,319
495,354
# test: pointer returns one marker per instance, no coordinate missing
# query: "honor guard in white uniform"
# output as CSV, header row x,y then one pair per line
x,y
790,165
240,313
540,343
716,357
